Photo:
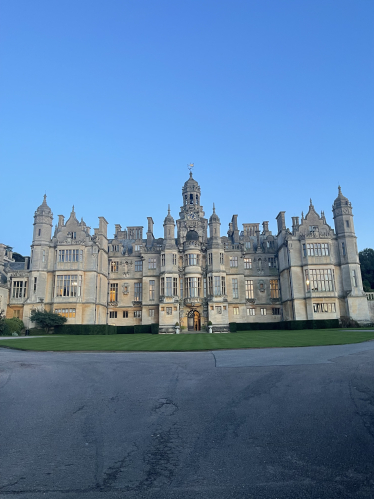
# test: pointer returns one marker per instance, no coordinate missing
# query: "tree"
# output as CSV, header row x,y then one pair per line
x,y
2,323
47,320
13,325
367,268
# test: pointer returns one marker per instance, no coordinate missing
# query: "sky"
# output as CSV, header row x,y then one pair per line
x,y
104,103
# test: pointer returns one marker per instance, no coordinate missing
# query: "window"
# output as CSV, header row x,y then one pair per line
x,y
221,259
43,256
163,260
138,248
328,308
217,285
304,249
272,262
162,286
210,258
249,290
169,310
223,286
175,286
192,259
138,265
347,223
274,288
181,287
325,249
247,245
354,279
113,292
113,314
210,285
219,310
169,283
343,249
319,280
39,232
137,314
115,248
35,282
263,311
193,287
204,286
310,249
174,259
236,310
69,255
66,312
113,266
151,263
275,311
247,263
68,285
125,314
233,261
235,289
251,311
151,290
138,291
151,312
74,235
16,314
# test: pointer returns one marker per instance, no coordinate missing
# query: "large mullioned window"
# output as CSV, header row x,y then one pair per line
x,y
249,289
319,279
316,249
69,285
19,289
274,288
235,288
138,291
70,255
193,286
113,291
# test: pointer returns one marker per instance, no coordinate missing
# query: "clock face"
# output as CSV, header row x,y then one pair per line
x,y
192,216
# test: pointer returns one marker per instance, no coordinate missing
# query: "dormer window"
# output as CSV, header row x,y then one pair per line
x,y
74,235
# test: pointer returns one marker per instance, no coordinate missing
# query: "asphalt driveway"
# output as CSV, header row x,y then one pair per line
x,y
272,423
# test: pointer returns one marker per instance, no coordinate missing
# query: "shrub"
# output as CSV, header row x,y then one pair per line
x,y
154,328
13,325
348,322
47,320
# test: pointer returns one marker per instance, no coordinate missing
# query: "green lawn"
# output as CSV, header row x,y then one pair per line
x,y
190,342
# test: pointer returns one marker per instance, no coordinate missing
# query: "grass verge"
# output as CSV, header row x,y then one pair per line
x,y
190,342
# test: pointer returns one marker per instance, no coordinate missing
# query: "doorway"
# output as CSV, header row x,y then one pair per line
x,y
193,321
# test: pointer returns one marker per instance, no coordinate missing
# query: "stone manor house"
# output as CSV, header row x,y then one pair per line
x,y
193,276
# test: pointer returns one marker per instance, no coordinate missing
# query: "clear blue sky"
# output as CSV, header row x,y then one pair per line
x,y
103,104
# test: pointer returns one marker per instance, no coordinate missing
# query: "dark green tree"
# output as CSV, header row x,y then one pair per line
x,y
367,268
2,323
47,320
13,325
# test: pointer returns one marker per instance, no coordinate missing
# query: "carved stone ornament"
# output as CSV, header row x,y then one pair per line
x,y
125,288
127,266
113,304
261,286
18,273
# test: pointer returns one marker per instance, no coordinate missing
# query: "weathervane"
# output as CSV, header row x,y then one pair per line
x,y
190,166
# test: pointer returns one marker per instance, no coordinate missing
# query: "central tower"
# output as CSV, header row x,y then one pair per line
x,y
191,225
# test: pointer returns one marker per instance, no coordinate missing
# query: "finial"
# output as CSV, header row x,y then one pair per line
x,y
45,198
190,166
168,209
214,208
311,202
302,215
72,210
339,189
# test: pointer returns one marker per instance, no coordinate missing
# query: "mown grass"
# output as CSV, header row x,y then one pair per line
x,y
190,342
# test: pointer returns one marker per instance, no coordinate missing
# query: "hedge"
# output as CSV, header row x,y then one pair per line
x,y
154,328
284,325
125,329
85,329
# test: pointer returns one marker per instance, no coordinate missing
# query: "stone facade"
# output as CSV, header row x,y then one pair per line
x,y
194,275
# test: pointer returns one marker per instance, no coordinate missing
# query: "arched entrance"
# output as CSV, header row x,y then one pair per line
x,y
193,320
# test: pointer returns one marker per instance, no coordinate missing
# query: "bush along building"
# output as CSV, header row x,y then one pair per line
x,y
193,275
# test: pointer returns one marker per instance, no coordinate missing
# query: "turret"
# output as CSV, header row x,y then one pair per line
x,y
214,225
169,226
42,223
343,216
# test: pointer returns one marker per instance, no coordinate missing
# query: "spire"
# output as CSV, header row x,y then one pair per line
x,y
214,209
169,219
